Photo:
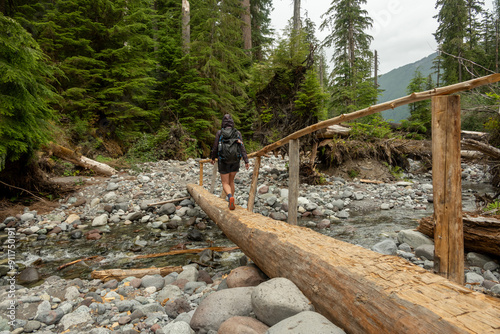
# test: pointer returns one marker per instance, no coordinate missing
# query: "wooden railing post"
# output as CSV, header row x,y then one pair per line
x,y
293,182
201,173
253,187
214,179
447,185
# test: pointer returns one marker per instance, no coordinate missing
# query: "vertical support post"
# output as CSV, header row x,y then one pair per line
x,y
293,182
214,179
447,185
201,173
253,186
314,153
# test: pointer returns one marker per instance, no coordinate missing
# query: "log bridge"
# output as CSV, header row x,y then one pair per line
x,y
357,289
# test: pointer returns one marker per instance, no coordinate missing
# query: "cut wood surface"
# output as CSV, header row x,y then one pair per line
x,y
119,274
357,289
481,234
333,130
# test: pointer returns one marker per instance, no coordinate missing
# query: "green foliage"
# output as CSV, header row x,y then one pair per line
x,y
373,127
352,87
395,171
24,93
494,207
352,173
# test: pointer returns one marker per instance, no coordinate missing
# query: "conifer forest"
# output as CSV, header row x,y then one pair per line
x,y
144,80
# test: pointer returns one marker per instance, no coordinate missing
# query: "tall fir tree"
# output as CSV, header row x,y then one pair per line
x,y
25,95
450,36
352,57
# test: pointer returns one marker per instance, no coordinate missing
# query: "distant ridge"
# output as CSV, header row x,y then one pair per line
x,y
395,83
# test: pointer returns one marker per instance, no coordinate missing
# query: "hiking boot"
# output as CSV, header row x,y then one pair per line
x,y
231,203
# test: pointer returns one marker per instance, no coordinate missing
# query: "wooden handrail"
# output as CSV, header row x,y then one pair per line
x,y
412,98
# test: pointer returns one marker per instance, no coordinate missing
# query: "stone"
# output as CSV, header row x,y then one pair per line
x,y
491,266
278,216
29,275
50,317
405,247
305,322
496,289
156,281
179,327
425,251
167,209
386,247
245,325
100,220
32,326
473,278
278,299
245,276
220,306
79,316
414,238
71,293
189,273
169,292
477,260
192,287
176,307
195,235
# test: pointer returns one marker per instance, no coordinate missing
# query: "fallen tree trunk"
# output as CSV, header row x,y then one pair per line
x,y
332,131
119,274
78,159
481,234
482,147
357,289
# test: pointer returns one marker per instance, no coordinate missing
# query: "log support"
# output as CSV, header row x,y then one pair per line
x,y
253,186
214,179
293,182
355,288
447,185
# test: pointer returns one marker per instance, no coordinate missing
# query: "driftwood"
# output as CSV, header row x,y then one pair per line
x,y
77,159
355,288
482,147
475,135
332,131
370,181
76,261
186,251
481,234
119,274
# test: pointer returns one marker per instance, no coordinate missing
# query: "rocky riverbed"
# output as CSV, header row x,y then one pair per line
x,y
112,220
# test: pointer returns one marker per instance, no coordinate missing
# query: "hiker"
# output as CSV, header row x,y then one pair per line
x,y
228,148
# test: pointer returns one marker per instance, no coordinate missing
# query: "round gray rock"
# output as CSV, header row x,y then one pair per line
x,y
278,299
306,322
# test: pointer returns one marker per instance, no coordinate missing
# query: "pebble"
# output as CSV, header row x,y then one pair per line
x,y
176,303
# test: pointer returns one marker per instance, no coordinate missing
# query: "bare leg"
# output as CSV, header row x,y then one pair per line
x,y
232,175
225,183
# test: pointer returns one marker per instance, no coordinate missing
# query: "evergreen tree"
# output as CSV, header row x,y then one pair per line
x,y
261,27
104,51
450,35
420,112
351,55
24,94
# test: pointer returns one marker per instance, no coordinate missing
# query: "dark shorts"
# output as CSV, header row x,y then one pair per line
x,y
228,168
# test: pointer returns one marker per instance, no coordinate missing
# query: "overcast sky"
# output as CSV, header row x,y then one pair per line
x,y
402,29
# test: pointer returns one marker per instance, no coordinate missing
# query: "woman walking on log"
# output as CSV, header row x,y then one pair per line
x,y
228,148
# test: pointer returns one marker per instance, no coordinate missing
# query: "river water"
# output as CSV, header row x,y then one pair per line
x,y
117,249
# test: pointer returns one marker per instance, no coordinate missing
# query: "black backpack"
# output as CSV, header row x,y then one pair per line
x,y
229,148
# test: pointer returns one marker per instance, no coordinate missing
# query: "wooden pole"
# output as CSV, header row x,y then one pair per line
x,y
214,179
357,289
314,153
447,185
293,182
253,186
201,173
